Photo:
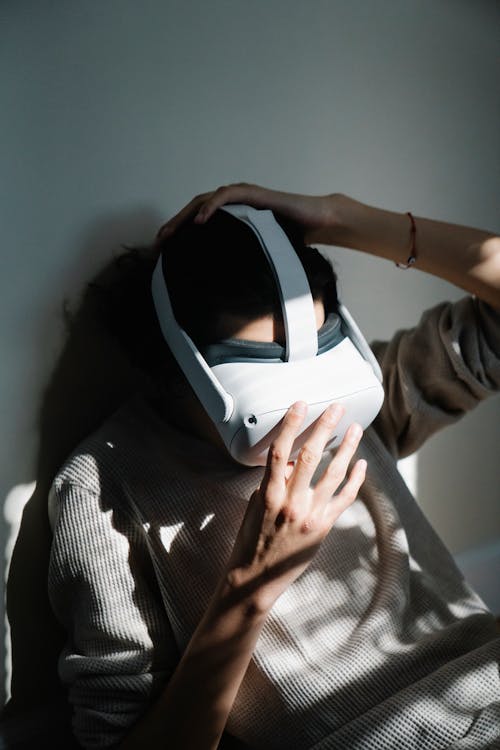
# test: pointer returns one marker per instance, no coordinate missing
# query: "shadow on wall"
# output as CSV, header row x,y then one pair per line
x,y
100,366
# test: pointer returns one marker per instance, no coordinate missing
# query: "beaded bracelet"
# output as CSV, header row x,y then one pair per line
x,y
413,249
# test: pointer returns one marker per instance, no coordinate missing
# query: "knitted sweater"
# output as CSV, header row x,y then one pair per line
x,y
379,644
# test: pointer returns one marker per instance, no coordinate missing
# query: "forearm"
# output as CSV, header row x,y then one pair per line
x,y
464,256
192,710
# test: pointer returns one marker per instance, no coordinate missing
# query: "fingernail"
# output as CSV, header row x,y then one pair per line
x,y
299,407
362,464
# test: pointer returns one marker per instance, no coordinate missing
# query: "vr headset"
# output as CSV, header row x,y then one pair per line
x,y
246,387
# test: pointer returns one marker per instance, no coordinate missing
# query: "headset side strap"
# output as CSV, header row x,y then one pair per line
x,y
354,333
212,395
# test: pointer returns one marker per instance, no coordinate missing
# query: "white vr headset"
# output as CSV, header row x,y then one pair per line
x,y
246,387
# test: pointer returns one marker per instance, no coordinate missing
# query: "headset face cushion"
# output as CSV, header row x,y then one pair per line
x,y
241,350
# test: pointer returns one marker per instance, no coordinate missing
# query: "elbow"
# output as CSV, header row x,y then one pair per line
x,y
487,272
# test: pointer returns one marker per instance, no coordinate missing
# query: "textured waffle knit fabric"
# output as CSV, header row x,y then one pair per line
x,y
379,644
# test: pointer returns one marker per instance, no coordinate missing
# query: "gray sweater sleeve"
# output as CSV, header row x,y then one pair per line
x,y
120,649
437,371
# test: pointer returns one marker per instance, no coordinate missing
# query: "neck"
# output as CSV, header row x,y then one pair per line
x,y
184,412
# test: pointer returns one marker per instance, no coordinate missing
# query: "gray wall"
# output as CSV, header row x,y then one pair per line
x,y
115,113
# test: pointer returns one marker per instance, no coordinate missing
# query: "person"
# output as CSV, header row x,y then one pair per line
x,y
305,604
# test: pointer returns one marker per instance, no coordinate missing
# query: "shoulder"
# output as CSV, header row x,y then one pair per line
x,y
134,459
437,371
104,460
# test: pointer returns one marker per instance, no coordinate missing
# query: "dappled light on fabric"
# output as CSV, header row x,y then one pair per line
x,y
367,639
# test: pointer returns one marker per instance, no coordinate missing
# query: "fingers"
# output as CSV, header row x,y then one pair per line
x,y
286,488
237,193
277,467
348,494
311,213
203,206
336,471
311,452
188,212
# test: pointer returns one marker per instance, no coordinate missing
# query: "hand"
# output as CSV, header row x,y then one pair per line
x,y
311,213
287,519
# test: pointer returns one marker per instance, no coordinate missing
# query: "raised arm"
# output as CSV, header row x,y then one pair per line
x,y
285,523
465,256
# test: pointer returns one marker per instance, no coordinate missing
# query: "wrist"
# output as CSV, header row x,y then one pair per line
x,y
348,215
246,595
343,214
